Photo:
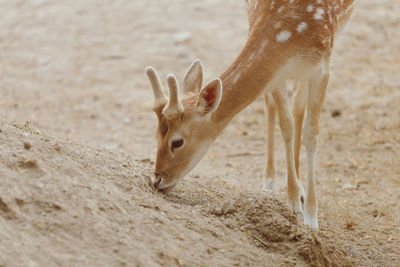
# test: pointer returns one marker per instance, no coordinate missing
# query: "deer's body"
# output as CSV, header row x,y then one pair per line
x,y
289,40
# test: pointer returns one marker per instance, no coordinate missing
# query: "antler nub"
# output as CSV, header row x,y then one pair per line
x,y
159,95
174,104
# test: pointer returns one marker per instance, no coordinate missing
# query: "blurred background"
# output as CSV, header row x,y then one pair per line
x,y
76,69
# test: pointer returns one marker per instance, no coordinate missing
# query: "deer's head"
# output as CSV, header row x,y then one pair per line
x,y
185,129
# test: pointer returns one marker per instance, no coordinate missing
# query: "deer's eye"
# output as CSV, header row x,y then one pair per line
x,y
177,144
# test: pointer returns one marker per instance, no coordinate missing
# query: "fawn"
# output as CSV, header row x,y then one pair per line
x,y
289,40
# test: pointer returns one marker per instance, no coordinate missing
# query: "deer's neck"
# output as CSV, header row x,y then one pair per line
x,y
245,80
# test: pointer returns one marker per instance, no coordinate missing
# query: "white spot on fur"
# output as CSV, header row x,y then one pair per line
x,y
251,57
236,78
319,13
310,8
264,44
255,4
272,4
283,36
280,9
302,26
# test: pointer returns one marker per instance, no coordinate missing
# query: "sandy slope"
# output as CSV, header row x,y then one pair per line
x,y
65,204
75,72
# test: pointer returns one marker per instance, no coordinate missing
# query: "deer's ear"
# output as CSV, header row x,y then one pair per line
x,y
194,78
210,97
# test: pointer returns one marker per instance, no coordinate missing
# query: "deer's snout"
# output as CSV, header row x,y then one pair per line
x,y
157,179
160,182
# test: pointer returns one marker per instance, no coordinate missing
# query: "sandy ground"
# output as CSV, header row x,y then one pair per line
x,y
74,181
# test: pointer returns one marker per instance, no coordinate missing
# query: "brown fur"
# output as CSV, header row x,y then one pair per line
x,y
275,45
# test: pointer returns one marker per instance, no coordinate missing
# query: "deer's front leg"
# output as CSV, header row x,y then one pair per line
x,y
295,191
316,96
269,182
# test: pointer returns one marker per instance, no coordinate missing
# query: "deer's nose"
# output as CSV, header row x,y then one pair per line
x,y
157,179
157,183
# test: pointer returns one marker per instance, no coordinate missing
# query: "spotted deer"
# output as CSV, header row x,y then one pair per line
x,y
288,40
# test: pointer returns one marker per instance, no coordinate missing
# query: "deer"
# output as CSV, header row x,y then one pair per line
x,y
288,40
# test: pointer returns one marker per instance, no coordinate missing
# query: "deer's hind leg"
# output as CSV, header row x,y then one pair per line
x,y
269,181
299,105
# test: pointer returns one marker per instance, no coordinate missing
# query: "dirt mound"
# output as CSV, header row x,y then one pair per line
x,y
66,204
275,228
